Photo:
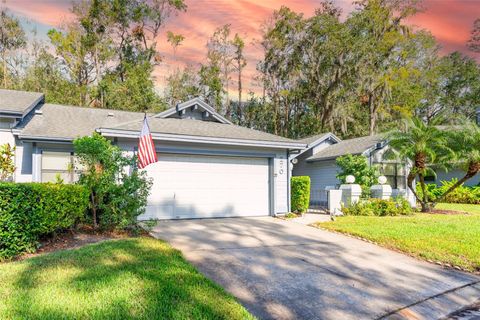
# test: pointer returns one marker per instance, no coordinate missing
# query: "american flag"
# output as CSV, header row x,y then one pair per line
x,y
146,148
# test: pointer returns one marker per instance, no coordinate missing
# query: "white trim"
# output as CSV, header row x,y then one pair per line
x,y
10,115
323,138
369,151
317,142
190,103
40,138
202,139
22,114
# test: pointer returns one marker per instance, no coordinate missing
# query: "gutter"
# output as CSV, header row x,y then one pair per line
x,y
203,139
330,158
10,114
48,139
172,137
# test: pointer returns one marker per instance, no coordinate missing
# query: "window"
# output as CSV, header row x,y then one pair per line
x,y
394,172
56,164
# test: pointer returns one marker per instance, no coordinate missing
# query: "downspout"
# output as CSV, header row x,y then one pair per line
x,y
289,194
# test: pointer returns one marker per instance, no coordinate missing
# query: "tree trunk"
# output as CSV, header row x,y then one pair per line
x,y
419,166
4,71
373,123
425,204
228,111
373,114
410,179
425,207
94,210
239,112
331,125
275,113
326,116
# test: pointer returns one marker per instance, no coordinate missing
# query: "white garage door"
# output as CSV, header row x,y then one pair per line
x,y
194,186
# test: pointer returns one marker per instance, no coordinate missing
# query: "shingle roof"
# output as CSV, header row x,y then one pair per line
x,y
311,139
201,128
67,123
350,146
18,102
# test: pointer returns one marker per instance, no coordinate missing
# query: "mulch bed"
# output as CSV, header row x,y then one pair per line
x,y
74,239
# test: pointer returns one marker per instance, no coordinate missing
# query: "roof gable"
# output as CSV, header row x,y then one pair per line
x,y
18,103
59,122
313,141
194,109
351,146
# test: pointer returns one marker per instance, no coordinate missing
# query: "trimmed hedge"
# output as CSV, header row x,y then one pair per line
x,y
378,207
300,193
30,210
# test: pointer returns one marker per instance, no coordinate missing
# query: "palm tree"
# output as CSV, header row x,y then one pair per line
x,y
466,142
422,144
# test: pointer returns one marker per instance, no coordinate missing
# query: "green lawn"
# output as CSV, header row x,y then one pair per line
x,y
470,208
453,239
138,278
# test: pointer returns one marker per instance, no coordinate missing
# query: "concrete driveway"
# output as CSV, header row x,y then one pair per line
x,y
284,270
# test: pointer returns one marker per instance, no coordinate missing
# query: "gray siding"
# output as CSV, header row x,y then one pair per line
x,y
457,173
322,174
192,114
23,161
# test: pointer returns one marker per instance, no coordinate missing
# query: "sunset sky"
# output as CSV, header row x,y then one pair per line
x,y
450,21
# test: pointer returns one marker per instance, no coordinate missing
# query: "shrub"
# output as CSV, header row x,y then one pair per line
x,y
357,166
377,207
116,196
462,194
30,210
300,193
7,164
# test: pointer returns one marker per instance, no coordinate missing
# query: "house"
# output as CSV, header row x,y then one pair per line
x,y
454,173
317,161
208,167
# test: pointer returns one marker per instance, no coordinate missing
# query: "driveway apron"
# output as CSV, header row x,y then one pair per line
x,y
283,270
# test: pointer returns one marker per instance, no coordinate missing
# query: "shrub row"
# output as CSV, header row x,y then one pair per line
x,y
462,194
30,210
377,207
300,193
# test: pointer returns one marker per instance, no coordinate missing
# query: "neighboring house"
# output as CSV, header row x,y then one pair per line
x,y
13,109
207,166
318,162
441,175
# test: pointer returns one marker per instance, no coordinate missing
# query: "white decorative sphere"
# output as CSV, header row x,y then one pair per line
x,y
382,179
350,179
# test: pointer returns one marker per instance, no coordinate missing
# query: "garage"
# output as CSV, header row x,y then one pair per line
x,y
187,186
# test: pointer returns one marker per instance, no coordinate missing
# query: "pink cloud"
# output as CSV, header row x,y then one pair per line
x,y
448,20
49,12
